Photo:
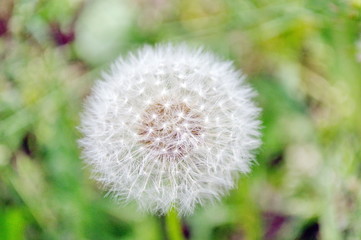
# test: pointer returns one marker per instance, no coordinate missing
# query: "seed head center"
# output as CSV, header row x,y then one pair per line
x,y
170,129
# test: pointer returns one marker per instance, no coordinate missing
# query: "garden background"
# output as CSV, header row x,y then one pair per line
x,y
302,56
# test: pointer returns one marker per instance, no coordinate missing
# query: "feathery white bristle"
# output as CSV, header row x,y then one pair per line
x,y
170,127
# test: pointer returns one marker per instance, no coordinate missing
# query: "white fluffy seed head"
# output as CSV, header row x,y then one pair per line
x,y
170,127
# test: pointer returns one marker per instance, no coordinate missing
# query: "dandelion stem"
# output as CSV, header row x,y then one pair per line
x,y
163,228
174,226
171,226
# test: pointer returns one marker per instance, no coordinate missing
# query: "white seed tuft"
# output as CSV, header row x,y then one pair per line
x,y
170,127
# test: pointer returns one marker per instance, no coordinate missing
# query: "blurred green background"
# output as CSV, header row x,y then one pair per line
x,y
302,56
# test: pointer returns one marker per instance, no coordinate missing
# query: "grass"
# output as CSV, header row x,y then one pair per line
x,y
301,56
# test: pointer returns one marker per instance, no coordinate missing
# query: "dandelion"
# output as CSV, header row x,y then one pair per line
x,y
170,127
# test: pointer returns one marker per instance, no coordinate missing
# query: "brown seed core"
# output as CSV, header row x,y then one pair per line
x,y
170,129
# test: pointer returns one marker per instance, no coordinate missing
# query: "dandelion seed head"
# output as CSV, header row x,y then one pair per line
x,y
170,126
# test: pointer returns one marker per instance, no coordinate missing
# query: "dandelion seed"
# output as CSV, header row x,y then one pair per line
x,y
175,144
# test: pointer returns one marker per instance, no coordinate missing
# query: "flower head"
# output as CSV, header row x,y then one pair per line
x,y
170,127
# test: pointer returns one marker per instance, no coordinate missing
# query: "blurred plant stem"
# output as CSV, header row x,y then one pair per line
x,y
163,227
171,226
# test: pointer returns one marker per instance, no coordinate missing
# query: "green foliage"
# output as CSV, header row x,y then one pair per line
x,y
303,57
